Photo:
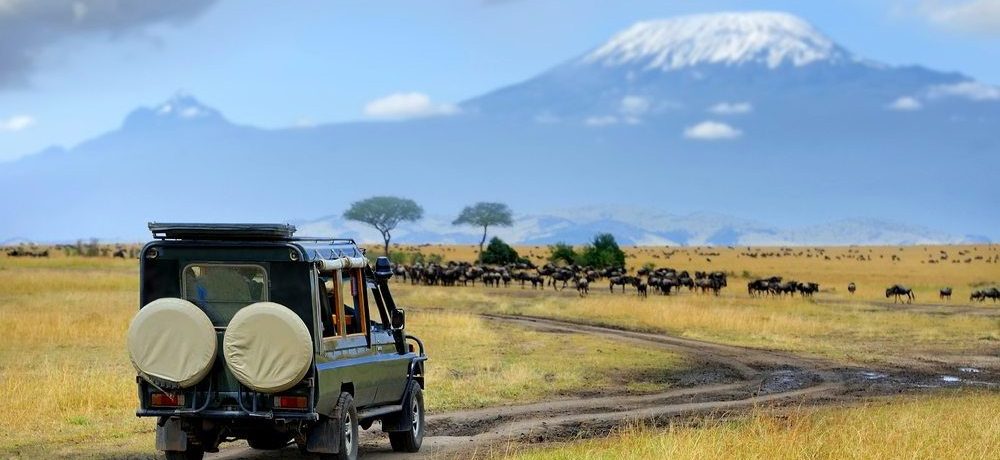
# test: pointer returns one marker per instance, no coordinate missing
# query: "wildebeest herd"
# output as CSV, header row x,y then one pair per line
x,y
664,281
774,286
661,280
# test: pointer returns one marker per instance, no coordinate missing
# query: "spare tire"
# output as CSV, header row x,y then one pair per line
x,y
172,343
267,347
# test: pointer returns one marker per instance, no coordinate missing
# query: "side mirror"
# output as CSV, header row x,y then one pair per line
x,y
398,319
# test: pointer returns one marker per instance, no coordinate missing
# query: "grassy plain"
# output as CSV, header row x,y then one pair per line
x,y
69,388
959,426
963,268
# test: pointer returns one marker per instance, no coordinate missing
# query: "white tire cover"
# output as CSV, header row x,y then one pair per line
x,y
267,347
172,343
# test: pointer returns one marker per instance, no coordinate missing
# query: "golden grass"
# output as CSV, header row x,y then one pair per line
x,y
966,266
477,363
965,426
851,332
69,388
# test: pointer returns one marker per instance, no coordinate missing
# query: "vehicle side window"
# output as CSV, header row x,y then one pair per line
x,y
354,314
327,304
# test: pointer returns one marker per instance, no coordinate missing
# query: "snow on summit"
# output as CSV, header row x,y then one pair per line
x,y
771,39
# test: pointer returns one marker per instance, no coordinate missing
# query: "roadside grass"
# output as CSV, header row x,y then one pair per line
x,y
478,363
850,332
963,426
69,388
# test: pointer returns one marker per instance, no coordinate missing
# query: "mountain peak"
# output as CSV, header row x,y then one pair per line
x,y
772,39
180,108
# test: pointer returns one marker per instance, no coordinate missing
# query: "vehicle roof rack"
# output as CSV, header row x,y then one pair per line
x,y
192,231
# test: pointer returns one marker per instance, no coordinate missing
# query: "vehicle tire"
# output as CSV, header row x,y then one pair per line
x,y
193,453
269,440
345,418
411,439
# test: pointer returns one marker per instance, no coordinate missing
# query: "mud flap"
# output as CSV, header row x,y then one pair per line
x,y
324,438
170,436
401,421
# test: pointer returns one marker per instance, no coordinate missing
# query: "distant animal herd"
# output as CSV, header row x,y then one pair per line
x,y
664,281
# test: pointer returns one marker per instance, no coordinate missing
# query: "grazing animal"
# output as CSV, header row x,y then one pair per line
x,y
641,289
808,289
945,293
898,292
983,294
583,286
851,287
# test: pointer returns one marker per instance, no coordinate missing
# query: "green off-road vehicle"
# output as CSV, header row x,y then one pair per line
x,y
247,332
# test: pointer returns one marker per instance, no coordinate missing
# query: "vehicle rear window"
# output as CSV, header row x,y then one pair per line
x,y
222,289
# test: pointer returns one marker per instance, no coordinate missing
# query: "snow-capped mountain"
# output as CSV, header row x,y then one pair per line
x,y
764,38
745,114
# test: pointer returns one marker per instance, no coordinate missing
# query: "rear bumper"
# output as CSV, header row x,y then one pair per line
x,y
229,414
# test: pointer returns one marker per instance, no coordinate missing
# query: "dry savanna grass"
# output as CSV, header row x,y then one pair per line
x,y
962,267
965,426
851,332
69,389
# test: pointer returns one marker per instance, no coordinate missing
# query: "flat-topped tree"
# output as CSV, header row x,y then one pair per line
x,y
484,214
384,213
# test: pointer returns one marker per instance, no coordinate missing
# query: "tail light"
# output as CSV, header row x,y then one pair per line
x,y
291,402
167,400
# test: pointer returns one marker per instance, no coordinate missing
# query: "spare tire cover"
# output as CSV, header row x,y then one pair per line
x,y
267,347
172,343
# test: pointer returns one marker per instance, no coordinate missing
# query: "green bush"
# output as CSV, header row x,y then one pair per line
x,y
499,253
562,252
603,253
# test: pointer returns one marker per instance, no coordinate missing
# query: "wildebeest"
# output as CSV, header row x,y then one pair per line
x,y
983,294
898,292
622,280
808,289
945,293
851,287
582,286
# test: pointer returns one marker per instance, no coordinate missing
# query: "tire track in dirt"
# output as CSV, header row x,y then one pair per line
x,y
765,377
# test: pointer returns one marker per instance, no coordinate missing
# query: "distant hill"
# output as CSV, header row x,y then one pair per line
x,y
745,114
639,227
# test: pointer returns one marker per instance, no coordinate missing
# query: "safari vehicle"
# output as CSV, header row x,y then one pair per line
x,y
247,332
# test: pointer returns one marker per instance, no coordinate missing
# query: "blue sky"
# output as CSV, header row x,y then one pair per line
x,y
277,64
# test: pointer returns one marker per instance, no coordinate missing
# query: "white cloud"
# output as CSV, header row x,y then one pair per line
x,y
634,105
967,89
712,130
399,106
976,16
601,121
16,123
734,108
906,104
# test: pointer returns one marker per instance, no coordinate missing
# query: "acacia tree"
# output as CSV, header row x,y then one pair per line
x,y
484,214
384,213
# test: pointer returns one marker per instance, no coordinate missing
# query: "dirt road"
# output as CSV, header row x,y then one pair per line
x,y
731,379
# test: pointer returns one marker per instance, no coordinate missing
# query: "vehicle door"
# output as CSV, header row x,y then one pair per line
x,y
393,367
347,350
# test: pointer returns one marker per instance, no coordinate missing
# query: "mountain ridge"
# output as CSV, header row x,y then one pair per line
x,y
788,145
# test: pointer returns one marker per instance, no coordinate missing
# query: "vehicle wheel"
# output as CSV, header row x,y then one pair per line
x,y
193,453
411,439
345,418
269,440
